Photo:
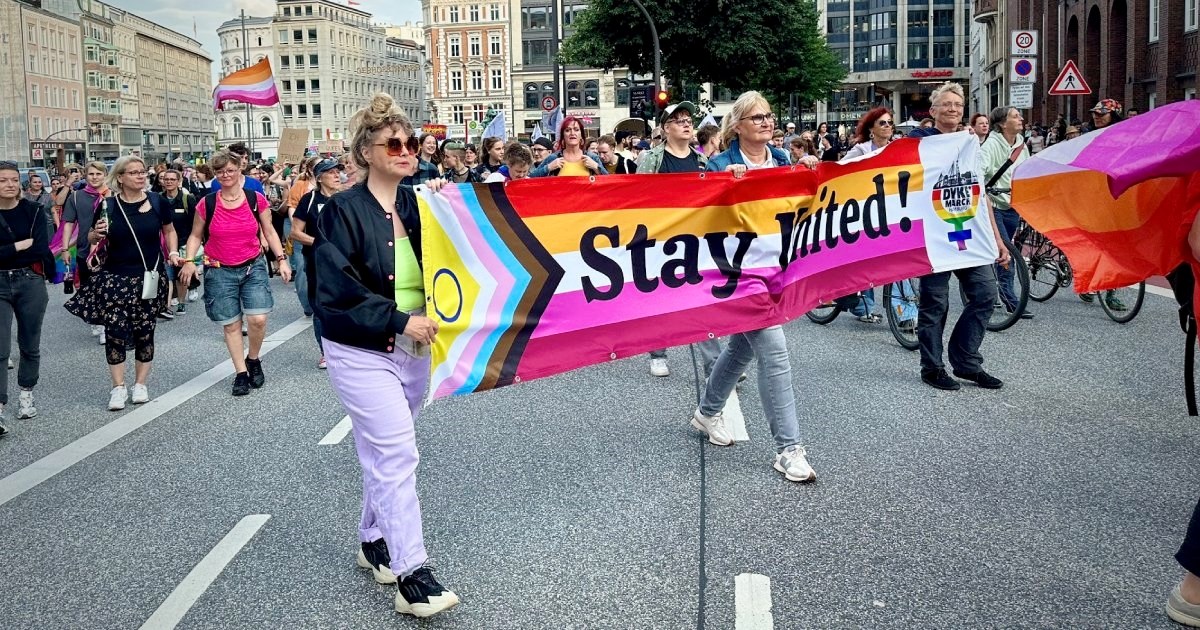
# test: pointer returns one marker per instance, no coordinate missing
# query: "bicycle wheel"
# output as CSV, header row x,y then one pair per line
x,y
900,300
824,313
1122,305
1003,317
1044,276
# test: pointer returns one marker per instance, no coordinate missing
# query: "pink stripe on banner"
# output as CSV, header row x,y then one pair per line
x,y
505,282
570,311
553,354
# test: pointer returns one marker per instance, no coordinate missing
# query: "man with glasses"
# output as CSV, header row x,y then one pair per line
x,y
676,155
183,213
239,151
541,149
978,283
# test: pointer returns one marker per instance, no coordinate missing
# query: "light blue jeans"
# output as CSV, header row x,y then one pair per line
x,y
774,380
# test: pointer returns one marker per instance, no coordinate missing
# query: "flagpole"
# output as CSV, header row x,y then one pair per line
x,y
249,107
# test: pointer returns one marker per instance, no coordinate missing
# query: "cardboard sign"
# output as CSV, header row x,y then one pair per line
x,y
292,143
331,146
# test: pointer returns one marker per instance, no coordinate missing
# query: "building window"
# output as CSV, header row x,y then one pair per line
x,y
301,86
456,115
297,36
477,80
287,86
535,18
1153,20
299,61
237,127
37,128
312,35
316,110
1191,15
474,13
574,94
312,61
302,111
287,110
268,129
315,85
454,15
456,83
494,13
535,52
285,62
494,43
623,86
479,111
455,47
475,46
497,79
533,96
34,94
918,54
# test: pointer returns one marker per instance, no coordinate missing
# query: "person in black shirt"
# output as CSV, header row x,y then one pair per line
x,y
182,206
131,222
24,250
304,228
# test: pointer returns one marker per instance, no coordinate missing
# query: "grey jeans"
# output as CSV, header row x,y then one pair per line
x,y
979,283
22,295
774,380
709,349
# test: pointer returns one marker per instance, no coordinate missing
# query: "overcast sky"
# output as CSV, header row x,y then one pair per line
x,y
179,15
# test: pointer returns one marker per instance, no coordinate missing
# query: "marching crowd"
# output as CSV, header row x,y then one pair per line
x,y
135,241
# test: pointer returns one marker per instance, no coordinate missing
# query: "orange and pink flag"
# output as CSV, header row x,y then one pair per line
x,y
254,85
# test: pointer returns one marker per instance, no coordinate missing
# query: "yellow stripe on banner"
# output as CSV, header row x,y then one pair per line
x,y
860,185
561,233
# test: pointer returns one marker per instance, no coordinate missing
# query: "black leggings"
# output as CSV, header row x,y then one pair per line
x,y
115,346
1189,551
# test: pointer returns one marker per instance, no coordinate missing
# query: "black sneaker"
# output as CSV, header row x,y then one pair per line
x,y
939,379
181,309
257,378
374,556
420,595
241,384
3,430
981,378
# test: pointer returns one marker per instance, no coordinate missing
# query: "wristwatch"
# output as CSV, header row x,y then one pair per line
x,y
280,257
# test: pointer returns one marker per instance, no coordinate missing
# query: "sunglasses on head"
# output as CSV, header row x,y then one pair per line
x,y
396,146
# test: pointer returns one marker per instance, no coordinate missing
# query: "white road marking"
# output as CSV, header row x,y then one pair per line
x,y
181,600
734,418
1150,288
337,434
752,602
27,478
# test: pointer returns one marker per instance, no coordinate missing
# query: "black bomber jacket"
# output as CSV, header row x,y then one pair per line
x,y
355,265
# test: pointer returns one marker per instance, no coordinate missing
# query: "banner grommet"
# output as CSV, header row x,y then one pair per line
x,y
612,355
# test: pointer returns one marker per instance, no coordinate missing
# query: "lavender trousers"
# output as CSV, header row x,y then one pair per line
x,y
383,393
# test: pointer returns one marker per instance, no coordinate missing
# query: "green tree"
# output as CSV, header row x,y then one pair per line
x,y
774,46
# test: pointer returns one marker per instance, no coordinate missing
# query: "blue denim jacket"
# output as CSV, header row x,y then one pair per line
x,y
733,155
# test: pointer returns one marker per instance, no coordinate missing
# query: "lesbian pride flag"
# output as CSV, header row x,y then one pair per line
x,y
1118,201
254,85
537,277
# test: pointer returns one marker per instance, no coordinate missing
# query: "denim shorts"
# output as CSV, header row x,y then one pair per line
x,y
172,272
231,292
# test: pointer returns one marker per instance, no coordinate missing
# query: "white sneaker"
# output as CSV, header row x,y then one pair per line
x,y
174,303
97,330
792,463
103,338
193,295
140,394
116,400
25,408
714,427
11,365
658,367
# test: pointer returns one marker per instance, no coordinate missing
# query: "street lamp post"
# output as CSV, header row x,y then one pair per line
x,y
86,135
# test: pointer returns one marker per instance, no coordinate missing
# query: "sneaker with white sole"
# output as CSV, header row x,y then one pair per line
x,y
420,595
321,365
116,399
713,427
103,339
1183,611
25,407
140,394
193,295
374,556
658,367
97,330
793,464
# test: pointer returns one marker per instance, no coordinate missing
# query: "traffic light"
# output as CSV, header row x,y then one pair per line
x,y
661,99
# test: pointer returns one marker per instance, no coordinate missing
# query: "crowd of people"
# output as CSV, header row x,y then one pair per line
x,y
137,242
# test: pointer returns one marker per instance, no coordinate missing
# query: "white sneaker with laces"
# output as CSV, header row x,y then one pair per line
x,y
658,367
116,399
25,408
714,427
793,464
140,394
193,295
97,330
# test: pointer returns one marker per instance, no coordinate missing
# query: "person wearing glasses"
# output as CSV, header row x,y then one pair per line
x,y
874,132
81,207
236,277
133,223
978,284
239,151
571,159
24,249
327,175
747,131
371,300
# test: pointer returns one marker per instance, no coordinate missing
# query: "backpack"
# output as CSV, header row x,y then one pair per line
x,y
1183,283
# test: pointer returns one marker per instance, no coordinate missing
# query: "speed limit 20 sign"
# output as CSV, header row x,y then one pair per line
x,y
1024,43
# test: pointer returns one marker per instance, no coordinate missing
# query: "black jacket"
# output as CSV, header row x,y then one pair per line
x,y
355,267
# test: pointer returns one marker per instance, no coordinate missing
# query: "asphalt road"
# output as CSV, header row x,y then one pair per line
x,y
586,501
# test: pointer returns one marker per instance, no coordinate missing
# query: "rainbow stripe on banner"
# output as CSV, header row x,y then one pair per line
x,y
254,85
537,277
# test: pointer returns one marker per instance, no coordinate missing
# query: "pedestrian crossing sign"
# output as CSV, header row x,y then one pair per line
x,y
1070,82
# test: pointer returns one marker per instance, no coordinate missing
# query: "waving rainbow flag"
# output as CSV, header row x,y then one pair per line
x,y
254,85
1118,201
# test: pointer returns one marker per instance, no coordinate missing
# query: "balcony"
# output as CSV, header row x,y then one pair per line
x,y
985,10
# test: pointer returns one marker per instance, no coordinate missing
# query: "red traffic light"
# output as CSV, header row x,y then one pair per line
x,y
661,99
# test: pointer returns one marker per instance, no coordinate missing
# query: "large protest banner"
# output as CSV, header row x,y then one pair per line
x,y
537,277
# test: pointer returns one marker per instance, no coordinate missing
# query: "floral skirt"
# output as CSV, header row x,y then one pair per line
x,y
115,302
